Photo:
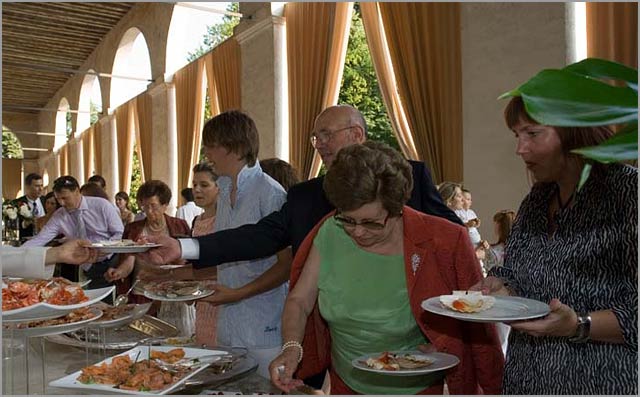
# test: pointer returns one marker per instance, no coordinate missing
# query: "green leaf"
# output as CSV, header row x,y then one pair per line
x,y
620,147
604,69
565,99
584,175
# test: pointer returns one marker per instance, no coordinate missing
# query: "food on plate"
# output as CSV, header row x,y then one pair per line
x,y
125,374
179,341
467,301
395,362
115,312
75,316
170,357
56,291
175,289
116,243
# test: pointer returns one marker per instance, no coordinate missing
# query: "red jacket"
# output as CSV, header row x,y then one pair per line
x,y
132,231
444,260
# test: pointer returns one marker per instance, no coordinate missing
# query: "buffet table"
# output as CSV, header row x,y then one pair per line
x,y
62,360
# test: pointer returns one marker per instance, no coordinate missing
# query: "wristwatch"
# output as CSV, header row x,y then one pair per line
x,y
583,330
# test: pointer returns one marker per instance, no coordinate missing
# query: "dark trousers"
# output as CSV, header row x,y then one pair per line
x,y
96,274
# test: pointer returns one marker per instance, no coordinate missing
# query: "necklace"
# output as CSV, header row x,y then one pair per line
x,y
156,229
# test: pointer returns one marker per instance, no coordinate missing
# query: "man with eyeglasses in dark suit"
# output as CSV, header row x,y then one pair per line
x,y
335,128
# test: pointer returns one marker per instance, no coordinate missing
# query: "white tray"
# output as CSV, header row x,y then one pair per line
x,y
70,382
43,310
505,309
51,329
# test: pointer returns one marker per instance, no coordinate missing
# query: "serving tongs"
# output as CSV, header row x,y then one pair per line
x,y
196,362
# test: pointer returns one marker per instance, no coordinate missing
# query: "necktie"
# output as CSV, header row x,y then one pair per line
x,y
82,232
35,212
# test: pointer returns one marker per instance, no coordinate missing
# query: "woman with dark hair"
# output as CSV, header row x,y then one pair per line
x,y
50,205
122,202
360,276
578,250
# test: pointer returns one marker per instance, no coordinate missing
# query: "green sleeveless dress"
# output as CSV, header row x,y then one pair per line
x,y
363,297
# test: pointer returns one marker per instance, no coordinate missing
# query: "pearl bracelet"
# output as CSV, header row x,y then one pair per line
x,y
296,344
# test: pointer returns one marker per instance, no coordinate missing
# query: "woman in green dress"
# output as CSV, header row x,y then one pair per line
x,y
359,279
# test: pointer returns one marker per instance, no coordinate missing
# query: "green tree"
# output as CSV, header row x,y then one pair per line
x,y
360,87
217,33
11,146
69,126
136,180
94,115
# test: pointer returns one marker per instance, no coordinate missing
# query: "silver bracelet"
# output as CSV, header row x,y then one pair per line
x,y
296,344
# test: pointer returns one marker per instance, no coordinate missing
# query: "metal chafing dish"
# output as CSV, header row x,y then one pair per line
x,y
137,332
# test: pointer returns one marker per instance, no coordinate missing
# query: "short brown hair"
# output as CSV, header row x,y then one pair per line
x,y
207,168
281,171
234,131
570,137
152,188
367,172
65,182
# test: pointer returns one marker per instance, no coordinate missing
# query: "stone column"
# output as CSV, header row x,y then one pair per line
x,y
77,166
164,161
264,76
110,153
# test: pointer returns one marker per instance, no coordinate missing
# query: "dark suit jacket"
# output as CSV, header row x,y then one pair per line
x,y
29,230
306,205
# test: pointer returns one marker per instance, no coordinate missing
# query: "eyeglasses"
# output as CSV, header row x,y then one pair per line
x,y
152,207
64,181
324,136
350,224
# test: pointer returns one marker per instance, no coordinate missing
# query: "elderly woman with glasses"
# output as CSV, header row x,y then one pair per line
x,y
154,197
360,276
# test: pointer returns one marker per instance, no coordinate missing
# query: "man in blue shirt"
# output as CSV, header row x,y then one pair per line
x,y
88,218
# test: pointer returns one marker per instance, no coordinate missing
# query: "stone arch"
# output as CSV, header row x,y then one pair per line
x,y
131,59
61,124
89,92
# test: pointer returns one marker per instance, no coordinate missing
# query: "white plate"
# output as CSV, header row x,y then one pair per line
x,y
134,313
51,329
43,310
170,267
203,293
506,308
80,284
124,249
441,361
70,381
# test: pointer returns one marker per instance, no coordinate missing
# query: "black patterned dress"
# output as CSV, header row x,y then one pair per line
x,y
590,263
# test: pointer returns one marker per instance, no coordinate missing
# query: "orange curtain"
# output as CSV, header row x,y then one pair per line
x,y
97,148
87,152
125,134
612,32
374,33
144,133
223,76
317,36
424,44
189,115
64,159
12,178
